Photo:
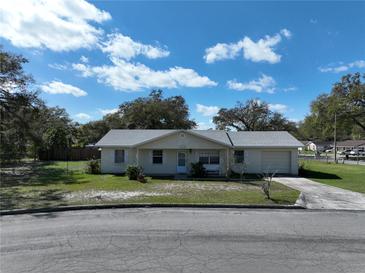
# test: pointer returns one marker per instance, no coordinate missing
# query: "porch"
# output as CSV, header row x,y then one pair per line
x,y
178,161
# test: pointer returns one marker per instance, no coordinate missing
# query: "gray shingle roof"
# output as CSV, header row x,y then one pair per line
x,y
351,143
214,135
263,139
133,137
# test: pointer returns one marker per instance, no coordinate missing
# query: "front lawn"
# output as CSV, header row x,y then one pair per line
x,y
33,185
351,177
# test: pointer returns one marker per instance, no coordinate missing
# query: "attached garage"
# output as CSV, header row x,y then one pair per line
x,y
276,161
267,151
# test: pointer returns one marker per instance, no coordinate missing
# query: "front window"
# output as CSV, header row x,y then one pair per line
x,y
157,157
209,158
119,156
239,156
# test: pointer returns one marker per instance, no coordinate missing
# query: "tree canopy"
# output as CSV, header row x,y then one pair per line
x,y
151,112
347,101
27,124
250,116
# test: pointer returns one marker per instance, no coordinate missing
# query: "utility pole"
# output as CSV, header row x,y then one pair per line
x,y
334,139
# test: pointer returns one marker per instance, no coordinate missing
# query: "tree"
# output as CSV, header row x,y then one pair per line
x,y
349,99
252,115
155,112
17,106
27,124
347,102
93,131
151,112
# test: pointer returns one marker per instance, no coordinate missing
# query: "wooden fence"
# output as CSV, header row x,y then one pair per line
x,y
70,154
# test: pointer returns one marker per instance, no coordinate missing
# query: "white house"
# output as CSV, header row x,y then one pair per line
x,y
168,152
308,145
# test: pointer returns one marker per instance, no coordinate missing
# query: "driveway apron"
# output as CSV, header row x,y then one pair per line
x,y
320,196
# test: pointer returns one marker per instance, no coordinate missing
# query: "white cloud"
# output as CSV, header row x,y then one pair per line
x,y
130,77
56,87
205,125
107,111
260,51
207,110
59,25
58,66
222,51
84,59
264,84
278,107
286,33
124,47
340,67
290,89
83,116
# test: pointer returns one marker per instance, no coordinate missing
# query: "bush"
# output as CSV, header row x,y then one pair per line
x,y
142,179
93,166
266,185
198,170
133,171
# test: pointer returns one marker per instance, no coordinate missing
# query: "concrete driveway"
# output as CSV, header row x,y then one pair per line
x,y
319,196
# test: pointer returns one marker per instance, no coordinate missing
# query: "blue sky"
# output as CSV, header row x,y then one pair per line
x,y
89,57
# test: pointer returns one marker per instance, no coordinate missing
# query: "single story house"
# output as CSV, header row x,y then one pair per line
x,y
351,144
169,152
308,145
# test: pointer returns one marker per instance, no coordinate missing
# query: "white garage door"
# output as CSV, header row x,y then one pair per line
x,y
276,161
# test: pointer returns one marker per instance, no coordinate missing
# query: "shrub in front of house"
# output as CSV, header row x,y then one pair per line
x,y
133,171
141,178
198,170
93,166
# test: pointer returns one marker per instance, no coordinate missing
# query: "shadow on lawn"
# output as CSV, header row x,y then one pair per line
x,y
37,174
12,198
318,175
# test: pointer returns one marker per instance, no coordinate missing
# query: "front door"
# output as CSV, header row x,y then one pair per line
x,y
181,162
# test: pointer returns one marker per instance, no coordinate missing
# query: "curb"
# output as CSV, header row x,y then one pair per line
x,y
93,207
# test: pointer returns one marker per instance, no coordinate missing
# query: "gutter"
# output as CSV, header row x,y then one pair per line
x,y
111,206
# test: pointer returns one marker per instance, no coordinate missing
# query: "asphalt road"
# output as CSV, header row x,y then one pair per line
x,y
184,240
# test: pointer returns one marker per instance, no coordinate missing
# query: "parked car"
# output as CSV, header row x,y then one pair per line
x,y
345,152
356,152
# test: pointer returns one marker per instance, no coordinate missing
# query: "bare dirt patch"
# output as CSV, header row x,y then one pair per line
x,y
109,195
201,186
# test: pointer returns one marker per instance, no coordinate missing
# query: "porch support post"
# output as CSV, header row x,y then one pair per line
x,y
228,162
137,156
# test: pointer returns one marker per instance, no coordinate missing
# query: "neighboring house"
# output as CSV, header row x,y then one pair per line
x,y
351,144
316,146
308,145
163,152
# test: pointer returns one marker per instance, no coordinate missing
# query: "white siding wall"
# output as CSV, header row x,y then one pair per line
x,y
107,160
170,160
253,160
170,145
168,165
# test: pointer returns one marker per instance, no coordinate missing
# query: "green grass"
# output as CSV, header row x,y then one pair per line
x,y
33,185
351,177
